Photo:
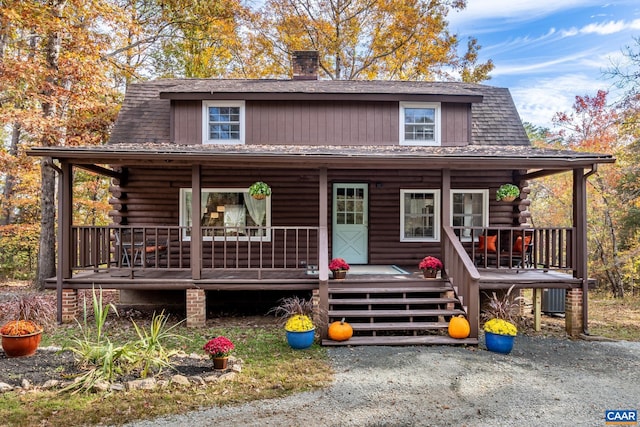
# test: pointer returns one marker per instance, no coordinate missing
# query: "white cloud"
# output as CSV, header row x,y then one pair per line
x,y
603,28
520,67
521,10
538,100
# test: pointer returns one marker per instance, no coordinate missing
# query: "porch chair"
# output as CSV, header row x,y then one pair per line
x,y
129,251
486,250
522,254
152,252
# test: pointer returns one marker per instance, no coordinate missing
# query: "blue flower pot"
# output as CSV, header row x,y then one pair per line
x,y
498,343
301,340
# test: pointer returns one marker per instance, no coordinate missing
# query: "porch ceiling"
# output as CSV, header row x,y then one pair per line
x,y
312,156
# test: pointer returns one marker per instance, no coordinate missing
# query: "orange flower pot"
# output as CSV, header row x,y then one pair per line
x,y
21,345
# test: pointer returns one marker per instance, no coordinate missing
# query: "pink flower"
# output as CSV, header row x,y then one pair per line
x,y
430,263
218,347
338,264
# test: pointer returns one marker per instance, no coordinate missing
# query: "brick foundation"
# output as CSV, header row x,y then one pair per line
x,y
196,308
69,305
573,312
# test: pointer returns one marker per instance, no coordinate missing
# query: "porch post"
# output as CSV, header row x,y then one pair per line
x,y
196,232
65,221
196,299
580,254
445,207
323,246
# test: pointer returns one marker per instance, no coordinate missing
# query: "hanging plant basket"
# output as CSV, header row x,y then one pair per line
x,y
259,190
507,193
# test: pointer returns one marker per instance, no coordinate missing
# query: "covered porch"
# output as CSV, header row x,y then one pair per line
x,y
144,250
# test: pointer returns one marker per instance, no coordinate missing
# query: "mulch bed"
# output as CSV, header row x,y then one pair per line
x,y
49,364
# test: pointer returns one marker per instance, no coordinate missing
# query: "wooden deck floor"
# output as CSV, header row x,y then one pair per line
x,y
277,279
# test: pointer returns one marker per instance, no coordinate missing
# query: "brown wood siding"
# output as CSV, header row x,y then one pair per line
x,y
187,122
323,123
320,123
151,197
455,124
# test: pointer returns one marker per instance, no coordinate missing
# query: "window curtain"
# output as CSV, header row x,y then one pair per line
x,y
257,208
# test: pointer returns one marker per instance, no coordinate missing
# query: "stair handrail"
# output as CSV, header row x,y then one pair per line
x,y
463,276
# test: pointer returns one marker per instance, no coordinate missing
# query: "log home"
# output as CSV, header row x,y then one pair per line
x,y
380,173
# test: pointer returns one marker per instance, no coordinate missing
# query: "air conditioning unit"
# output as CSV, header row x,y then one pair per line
x,y
553,301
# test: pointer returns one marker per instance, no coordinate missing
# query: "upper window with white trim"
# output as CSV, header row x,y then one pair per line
x,y
223,122
419,215
469,208
420,123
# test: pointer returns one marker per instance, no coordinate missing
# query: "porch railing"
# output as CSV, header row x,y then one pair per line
x,y
169,247
463,276
546,248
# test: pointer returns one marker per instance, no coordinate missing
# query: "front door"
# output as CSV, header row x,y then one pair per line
x,y
350,222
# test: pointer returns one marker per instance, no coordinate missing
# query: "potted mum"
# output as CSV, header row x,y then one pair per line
x,y
259,190
430,266
339,268
218,349
299,327
500,329
22,334
507,193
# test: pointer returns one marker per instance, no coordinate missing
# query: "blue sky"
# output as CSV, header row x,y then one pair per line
x,y
547,52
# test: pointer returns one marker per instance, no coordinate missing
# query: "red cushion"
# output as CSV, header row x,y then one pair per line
x,y
491,243
517,246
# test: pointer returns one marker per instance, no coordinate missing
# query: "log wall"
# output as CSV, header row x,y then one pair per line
x,y
151,197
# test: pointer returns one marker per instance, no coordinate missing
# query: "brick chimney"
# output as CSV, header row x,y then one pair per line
x,y
305,65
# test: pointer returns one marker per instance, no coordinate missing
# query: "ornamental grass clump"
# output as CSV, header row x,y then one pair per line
x,y
27,314
296,314
218,347
500,313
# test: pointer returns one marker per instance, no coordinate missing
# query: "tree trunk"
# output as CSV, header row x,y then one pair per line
x,y
7,213
47,244
47,251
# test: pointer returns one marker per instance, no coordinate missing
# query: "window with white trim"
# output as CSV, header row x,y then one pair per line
x,y
223,122
419,215
420,123
227,213
469,208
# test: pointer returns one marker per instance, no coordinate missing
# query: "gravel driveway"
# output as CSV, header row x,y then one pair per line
x,y
543,382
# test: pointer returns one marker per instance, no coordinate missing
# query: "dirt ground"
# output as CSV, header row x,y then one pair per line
x,y
543,382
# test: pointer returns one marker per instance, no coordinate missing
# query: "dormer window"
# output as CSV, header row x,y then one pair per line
x,y
419,123
223,122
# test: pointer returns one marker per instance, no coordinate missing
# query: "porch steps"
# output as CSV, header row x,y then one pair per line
x,y
415,312
402,340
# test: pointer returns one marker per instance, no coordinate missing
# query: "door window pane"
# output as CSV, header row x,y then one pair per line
x,y
469,209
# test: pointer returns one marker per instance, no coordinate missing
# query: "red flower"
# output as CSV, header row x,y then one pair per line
x,y
338,264
430,263
218,347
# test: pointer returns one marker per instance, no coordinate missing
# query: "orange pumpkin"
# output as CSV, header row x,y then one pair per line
x,y
459,327
340,331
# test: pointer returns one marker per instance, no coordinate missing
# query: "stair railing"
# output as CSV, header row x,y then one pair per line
x,y
464,277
